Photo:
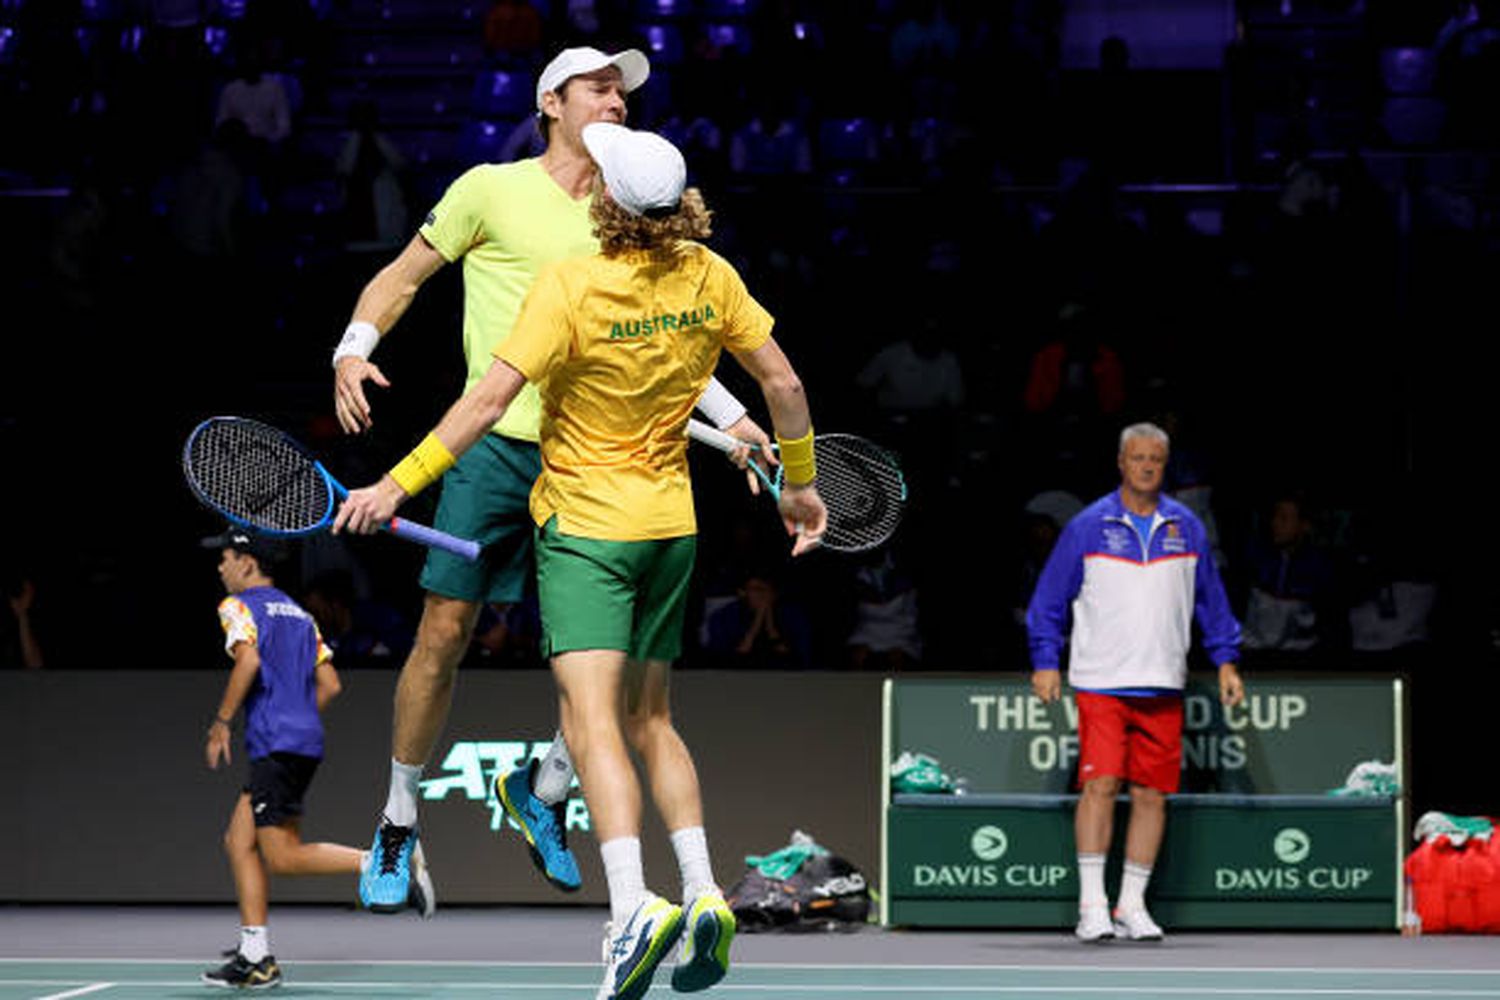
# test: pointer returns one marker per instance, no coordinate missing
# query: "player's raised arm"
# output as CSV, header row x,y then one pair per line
x,y
380,305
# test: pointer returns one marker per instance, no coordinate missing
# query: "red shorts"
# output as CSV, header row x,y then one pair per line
x,y
1137,739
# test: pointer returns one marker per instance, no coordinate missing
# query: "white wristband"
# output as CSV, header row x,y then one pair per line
x,y
359,341
719,405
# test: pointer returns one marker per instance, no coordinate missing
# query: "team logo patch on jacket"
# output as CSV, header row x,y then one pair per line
x,y
1117,541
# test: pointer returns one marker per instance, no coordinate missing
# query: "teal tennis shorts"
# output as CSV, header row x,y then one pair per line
x,y
630,596
486,497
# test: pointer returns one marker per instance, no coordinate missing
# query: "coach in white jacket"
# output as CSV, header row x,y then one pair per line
x,y
1122,587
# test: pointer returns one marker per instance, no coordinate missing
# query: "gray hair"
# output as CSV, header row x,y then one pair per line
x,y
1144,430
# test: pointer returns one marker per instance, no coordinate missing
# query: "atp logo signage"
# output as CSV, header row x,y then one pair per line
x,y
470,768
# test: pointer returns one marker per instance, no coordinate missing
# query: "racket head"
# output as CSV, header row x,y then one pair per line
x,y
863,488
257,477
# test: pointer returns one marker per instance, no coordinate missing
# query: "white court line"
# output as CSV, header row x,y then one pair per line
x,y
94,988
784,988
893,967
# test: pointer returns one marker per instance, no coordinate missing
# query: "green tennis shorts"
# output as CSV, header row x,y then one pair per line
x,y
596,594
486,497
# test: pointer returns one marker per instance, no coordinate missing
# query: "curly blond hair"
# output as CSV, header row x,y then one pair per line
x,y
617,230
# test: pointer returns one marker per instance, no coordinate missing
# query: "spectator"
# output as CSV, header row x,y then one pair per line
x,y
1393,590
774,142
370,169
924,47
1468,58
513,30
209,214
19,645
917,385
918,374
1044,518
362,633
1189,478
257,98
1292,584
885,635
760,629
1074,386
1075,375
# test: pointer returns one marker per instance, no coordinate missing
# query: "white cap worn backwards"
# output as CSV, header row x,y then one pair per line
x,y
573,62
642,170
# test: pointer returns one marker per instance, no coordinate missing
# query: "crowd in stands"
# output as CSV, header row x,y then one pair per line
x,y
972,257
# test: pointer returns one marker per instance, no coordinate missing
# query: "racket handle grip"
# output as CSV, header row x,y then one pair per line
x,y
713,437
433,538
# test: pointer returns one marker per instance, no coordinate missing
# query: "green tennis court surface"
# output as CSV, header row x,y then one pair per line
x,y
115,979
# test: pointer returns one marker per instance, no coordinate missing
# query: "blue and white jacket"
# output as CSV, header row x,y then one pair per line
x,y
1131,600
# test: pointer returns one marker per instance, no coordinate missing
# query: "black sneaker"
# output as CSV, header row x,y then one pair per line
x,y
242,974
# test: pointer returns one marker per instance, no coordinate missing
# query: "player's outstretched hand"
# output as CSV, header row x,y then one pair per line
x,y
1046,685
349,400
804,515
365,510
757,441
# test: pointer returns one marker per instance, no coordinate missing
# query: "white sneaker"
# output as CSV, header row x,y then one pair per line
x,y
422,896
1094,924
1136,925
632,952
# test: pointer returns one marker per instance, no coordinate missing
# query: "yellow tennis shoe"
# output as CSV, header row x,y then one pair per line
x,y
705,944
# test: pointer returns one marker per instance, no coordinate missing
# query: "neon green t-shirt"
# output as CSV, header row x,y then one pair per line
x,y
506,220
623,347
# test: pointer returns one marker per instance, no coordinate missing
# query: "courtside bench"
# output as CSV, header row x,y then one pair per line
x,y
1253,841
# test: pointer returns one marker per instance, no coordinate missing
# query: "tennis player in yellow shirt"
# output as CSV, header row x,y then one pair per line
x,y
621,344
502,222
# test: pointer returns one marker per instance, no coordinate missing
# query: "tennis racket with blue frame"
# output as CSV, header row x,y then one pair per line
x,y
262,479
860,482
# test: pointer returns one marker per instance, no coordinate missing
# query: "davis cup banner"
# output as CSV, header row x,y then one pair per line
x,y
1289,737
1274,826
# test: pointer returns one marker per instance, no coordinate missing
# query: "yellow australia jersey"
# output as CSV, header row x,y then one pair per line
x,y
506,220
622,347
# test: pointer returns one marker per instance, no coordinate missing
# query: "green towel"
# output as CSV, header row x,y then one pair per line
x,y
1456,828
1372,777
786,862
917,772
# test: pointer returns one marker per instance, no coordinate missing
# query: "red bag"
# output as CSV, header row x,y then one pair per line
x,y
1456,889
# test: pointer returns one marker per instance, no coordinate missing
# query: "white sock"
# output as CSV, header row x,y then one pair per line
x,y
401,804
255,942
1133,887
627,877
691,845
554,773
1091,881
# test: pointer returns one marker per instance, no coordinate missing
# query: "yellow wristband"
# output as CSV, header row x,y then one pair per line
x,y
797,462
423,466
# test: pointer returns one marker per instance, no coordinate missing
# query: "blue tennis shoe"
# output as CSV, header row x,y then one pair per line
x,y
385,882
544,827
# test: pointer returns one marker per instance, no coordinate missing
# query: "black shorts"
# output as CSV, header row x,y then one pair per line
x,y
276,786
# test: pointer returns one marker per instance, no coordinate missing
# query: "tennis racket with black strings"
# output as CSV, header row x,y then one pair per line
x,y
262,479
860,482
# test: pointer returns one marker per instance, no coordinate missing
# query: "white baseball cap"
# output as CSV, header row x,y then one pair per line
x,y
573,62
641,169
